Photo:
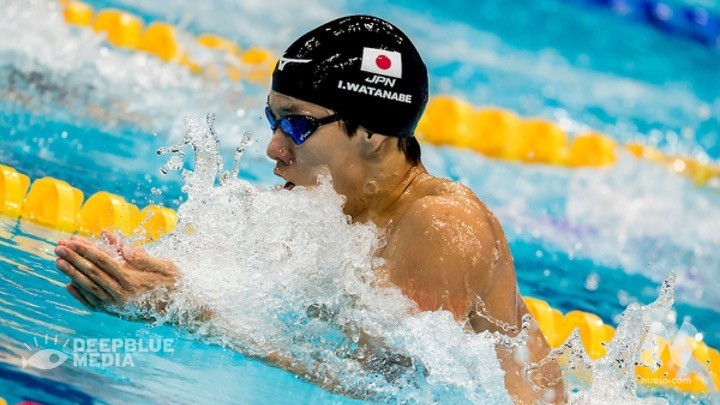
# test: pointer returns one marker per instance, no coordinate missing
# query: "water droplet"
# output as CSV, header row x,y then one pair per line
x,y
592,281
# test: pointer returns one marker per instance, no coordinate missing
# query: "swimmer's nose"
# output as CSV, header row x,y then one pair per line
x,y
279,149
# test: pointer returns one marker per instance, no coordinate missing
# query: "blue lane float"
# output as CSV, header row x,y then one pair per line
x,y
690,22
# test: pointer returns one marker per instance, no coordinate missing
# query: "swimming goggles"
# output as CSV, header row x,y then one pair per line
x,y
298,127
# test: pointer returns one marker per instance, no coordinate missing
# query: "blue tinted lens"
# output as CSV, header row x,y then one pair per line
x,y
299,128
271,119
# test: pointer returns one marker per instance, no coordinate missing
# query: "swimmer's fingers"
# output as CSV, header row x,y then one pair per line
x,y
111,237
78,239
86,298
83,281
74,239
75,292
141,260
98,305
112,269
87,275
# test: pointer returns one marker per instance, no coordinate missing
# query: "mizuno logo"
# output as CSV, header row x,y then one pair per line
x,y
284,61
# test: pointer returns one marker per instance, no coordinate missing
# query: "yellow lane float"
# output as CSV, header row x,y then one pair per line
x,y
122,29
592,331
493,132
669,374
156,221
548,319
259,63
107,211
13,187
219,43
502,134
78,13
53,203
698,172
445,121
492,128
125,30
594,335
709,358
538,141
592,149
160,39
56,204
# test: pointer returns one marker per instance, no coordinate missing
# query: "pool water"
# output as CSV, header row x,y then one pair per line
x,y
593,240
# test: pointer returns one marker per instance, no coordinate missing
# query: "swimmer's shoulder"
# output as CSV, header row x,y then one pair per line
x,y
437,192
447,231
436,197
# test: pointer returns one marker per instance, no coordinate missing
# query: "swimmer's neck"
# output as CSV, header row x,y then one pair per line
x,y
391,186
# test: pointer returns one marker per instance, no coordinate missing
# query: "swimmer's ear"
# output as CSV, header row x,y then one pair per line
x,y
371,143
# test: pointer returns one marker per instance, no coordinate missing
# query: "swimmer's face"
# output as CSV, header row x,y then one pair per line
x,y
328,150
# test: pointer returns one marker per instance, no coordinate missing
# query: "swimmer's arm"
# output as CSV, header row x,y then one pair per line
x,y
456,257
302,370
376,358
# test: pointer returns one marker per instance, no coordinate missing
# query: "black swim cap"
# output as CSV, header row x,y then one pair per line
x,y
363,68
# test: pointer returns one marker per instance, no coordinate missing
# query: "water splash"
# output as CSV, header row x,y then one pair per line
x,y
287,276
613,376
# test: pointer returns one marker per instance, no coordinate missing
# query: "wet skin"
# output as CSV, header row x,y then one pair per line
x,y
441,246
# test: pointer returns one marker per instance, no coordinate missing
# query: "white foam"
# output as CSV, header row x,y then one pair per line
x,y
286,273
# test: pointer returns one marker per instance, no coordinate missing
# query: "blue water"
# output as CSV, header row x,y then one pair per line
x,y
546,58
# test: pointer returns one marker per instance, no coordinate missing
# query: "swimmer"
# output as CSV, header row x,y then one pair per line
x,y
345,100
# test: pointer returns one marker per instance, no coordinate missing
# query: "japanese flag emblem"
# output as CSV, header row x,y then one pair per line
x,y
382,62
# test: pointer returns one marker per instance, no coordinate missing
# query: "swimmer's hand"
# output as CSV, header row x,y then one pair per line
x,y
101,282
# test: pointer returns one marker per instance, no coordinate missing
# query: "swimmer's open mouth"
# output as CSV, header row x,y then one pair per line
x,y
289,185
